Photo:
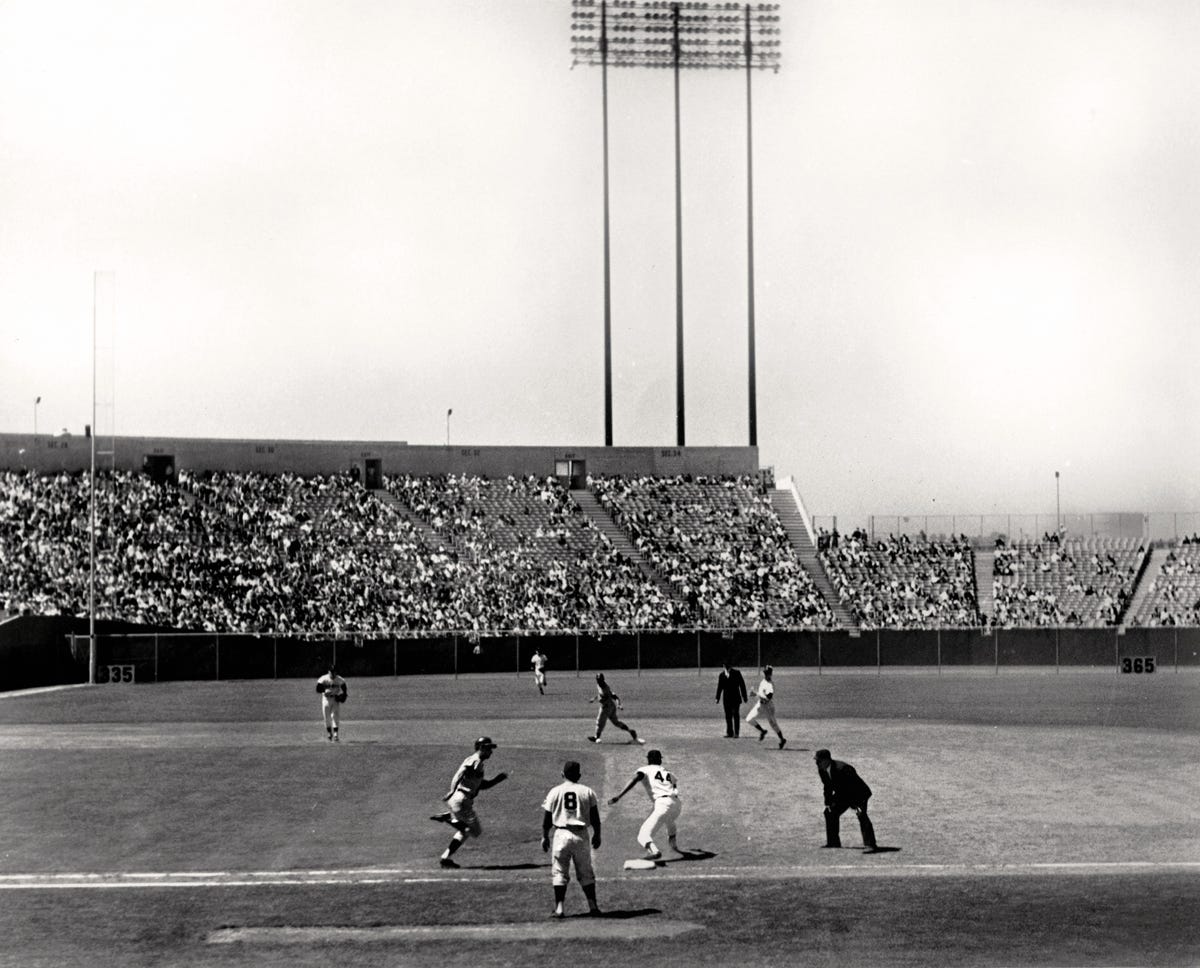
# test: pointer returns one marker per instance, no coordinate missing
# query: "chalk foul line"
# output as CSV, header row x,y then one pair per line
x,y
130,880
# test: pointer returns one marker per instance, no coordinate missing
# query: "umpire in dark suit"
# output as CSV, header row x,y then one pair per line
x,y
731,688
844,790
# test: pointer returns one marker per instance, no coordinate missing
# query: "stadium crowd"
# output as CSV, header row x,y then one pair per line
x,y
1059,581
720,544
284,554
904,582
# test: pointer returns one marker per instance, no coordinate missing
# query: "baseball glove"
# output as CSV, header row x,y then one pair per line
x,y
341,698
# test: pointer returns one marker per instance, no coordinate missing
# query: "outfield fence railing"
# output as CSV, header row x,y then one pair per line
x,y
174,656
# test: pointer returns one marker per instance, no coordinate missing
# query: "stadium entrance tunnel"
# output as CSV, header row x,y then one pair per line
x,y
610,927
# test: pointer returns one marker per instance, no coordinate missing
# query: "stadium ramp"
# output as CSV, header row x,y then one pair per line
x,y
787,508
985,589
1145,586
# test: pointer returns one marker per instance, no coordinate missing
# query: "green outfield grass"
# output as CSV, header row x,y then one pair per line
x,y
1037,819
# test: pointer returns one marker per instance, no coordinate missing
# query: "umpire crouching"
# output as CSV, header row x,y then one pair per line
x,y
844,790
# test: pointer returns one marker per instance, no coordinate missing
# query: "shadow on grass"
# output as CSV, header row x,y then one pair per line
x,y
621,915
505,867
882,850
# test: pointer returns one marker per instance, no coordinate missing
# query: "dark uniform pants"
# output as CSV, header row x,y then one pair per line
x,y
733,719
833,815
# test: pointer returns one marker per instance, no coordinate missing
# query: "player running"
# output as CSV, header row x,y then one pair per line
x,y
332,688
659,784
539,670
764,708
467,782
609,702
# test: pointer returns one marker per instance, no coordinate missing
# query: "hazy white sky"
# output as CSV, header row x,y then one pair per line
x,y
977,236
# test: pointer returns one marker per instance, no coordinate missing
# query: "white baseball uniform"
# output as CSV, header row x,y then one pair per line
x,y
539,668
570,806
659,784
331,687
764,705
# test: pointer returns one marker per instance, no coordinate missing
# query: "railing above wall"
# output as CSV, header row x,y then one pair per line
x,y
984,529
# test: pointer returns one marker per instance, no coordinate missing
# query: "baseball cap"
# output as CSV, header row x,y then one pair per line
x,y
572,770
484,741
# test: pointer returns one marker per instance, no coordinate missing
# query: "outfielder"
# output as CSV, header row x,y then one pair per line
x,y
609,702
764,708
467,782
569,809
539,670
659,784
332,688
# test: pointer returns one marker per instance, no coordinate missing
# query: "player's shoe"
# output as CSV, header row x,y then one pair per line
x,y
782,742
872,850
653,854
634,736
674,846
593,739
762,734
594,911
448,863
335,738
440,818
557,912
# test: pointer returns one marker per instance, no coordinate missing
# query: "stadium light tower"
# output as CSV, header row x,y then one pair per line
x,y
691,35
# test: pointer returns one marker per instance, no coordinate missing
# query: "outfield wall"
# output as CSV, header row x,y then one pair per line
x,y
148,657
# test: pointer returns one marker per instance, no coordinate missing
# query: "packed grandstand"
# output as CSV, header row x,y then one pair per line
x,y
283,553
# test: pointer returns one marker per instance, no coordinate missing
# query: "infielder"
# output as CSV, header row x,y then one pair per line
x,y
569,809
609,702
468,780
659,784
764,708
332,688
539,670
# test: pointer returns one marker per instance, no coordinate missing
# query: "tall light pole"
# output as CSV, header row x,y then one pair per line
x,y
35,406
1057,506
661,34
448,412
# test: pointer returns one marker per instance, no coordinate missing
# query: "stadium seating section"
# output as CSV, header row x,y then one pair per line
x,y
1174,593
1074,582
283,554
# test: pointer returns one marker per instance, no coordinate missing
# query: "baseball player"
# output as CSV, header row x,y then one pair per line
x,y
764,708
468,780
569,809
332,688
539,670
609,702
659,784
844,790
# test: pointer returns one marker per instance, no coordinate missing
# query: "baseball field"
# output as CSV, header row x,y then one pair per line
x,y
1029,818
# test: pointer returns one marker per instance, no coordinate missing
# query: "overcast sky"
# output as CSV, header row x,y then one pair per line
x,y
977,235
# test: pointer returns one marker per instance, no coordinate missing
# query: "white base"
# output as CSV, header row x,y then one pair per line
x,y
640,864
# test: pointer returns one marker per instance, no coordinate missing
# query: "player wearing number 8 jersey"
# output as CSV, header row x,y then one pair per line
x,y
567,812
659,784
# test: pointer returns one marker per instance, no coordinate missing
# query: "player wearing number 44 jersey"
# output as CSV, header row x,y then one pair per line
x,y
660,786
332,688
567,812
